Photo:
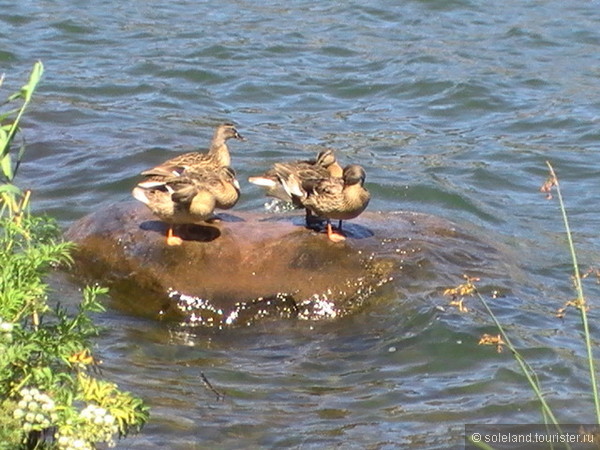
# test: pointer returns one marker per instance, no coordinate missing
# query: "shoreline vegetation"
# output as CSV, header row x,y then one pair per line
x,y
460,292
52,392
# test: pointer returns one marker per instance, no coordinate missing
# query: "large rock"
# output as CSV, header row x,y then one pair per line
x,y
250,266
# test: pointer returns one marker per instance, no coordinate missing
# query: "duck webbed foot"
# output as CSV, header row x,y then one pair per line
x,y
172,239
333,235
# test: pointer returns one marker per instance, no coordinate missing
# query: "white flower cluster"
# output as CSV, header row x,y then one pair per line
x,y
99,416
6,329
73,443
101,427
36,410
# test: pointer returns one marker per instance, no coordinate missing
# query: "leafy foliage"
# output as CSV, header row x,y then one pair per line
x,y
51,395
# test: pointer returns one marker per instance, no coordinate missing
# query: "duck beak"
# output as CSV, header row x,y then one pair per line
x,y
236,183
239,136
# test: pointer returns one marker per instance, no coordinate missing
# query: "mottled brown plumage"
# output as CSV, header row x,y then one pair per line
x,y
324,165
188,198
216,157
332,197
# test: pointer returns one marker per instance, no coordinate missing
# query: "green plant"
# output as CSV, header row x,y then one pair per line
x,y
51,395
469,288
13,200
579,302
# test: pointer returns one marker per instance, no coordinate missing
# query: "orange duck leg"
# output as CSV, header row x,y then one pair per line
x,y
334,236
171,238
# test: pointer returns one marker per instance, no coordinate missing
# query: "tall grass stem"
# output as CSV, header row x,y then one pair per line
x,y
580,297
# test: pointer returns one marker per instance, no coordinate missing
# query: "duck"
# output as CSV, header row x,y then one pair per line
x,y
216,157
324,165
188,198
331,197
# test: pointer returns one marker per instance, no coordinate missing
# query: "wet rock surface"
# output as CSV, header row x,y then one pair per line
x,y
247,267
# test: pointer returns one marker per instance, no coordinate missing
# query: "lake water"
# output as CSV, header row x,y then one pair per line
x,y
452,107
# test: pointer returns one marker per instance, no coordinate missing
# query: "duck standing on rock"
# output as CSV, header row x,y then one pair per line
x,y
331,198
189,198
188,188
323,166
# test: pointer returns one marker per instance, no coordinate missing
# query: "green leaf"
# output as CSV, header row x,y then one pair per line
x,y
10,188
4,141
15,96
3,138
26,92
6,166
6,115
34,79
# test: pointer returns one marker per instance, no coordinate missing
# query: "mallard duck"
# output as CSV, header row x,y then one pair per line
x,y
332,198
216,157
188,198
323,166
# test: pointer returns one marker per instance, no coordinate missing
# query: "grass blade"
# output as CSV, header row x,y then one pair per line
x,y
581,302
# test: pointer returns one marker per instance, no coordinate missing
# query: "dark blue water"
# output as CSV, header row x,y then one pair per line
x,y
452,108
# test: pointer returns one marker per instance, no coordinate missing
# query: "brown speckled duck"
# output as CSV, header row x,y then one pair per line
x,y
324,165
216,157
332,198
188,198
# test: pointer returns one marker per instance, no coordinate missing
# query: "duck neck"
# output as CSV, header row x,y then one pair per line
x,y
219,151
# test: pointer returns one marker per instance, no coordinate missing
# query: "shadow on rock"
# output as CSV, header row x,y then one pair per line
x,y
200,233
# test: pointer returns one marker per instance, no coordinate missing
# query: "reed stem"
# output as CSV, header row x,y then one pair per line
x,y
580,296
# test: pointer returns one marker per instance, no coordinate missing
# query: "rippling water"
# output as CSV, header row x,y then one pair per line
x,y
452,107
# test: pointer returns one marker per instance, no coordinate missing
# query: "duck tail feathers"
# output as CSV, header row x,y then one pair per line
x,y
262,181
290,182
140,195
